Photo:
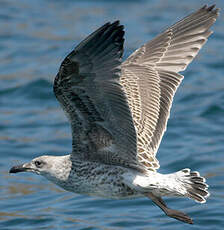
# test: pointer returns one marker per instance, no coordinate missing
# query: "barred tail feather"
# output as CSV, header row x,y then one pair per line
x,y
196,187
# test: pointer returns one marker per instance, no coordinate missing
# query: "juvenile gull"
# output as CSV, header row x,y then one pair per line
x,y
119,111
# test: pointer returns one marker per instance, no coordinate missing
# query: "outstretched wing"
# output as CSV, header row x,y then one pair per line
x,y
87,86
150,78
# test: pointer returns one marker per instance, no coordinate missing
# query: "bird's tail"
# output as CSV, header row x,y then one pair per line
x,y
195,185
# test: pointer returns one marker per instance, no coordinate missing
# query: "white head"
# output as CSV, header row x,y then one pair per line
x,y
51,167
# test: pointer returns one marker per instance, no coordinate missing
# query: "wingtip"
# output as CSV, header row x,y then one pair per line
x,y
211,8
116,22
119,31
208,8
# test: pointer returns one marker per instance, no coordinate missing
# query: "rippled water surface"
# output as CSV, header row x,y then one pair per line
x,y
35,36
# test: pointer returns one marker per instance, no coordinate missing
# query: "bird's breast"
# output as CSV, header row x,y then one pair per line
x,y
100,180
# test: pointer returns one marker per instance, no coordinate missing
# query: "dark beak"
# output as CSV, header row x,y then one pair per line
x,y
18,168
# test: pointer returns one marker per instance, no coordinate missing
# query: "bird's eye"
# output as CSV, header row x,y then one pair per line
x,y
38,164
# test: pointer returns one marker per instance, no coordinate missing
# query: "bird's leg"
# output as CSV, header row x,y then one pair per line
x,y
169,212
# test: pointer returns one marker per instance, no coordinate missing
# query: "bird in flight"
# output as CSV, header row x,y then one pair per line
x,y
119,112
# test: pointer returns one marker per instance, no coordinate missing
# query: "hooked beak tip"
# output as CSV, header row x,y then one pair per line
x,y
17,168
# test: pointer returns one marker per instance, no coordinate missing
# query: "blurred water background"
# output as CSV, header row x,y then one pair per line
x,y
35,36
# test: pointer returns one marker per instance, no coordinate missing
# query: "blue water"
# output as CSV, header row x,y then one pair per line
x,y
35,36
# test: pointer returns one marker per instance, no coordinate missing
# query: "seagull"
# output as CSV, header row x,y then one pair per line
x,y
119,111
